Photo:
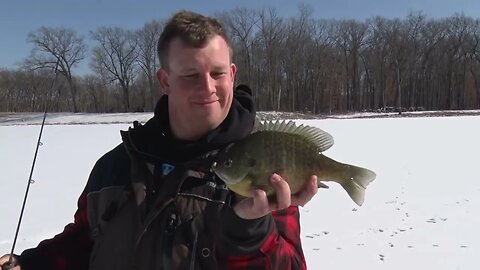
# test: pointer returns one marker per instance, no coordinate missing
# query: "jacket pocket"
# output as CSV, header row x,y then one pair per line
x,y
113,226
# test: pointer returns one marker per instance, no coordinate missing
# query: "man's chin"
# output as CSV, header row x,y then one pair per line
x,y
213,120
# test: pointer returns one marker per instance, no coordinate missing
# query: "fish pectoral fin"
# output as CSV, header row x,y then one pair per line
x,y
322,185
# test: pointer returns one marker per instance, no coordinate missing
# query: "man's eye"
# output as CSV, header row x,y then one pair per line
x,y
191,76
218,74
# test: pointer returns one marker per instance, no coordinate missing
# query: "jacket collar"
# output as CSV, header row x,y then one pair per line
x,y
154,142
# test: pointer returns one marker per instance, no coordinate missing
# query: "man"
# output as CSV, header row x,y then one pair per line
x,y
153,203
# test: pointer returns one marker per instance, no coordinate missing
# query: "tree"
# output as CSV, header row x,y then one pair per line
x,y
148,59
350,40
241,25
295,58
116,56
59,50
271,36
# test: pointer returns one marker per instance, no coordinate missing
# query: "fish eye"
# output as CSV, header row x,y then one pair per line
x,y
228,163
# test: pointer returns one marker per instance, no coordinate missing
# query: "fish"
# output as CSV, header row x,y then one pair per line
x,y
295,152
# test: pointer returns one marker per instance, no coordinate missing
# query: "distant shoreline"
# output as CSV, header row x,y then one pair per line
x,y
35,118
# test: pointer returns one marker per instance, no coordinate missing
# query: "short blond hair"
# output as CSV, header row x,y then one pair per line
x,y
193,29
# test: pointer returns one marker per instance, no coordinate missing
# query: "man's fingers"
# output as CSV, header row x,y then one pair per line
x,y
260,202
307,193
282,191
4,260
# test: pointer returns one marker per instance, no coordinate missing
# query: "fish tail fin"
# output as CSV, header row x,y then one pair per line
x,y
356,181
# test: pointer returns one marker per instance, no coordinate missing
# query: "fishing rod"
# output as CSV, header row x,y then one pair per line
x,y
11,263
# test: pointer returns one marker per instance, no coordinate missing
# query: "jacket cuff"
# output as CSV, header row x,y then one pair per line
x,y
29,259
240,236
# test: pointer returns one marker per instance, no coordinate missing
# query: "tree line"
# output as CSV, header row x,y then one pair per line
x,y
300,63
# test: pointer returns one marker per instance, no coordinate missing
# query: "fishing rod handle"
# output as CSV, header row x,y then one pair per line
x,y
11,263
8,265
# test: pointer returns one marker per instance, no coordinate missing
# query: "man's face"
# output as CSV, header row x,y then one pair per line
x,y
199,85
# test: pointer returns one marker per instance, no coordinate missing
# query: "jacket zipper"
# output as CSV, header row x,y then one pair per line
x,y
151,219
194,252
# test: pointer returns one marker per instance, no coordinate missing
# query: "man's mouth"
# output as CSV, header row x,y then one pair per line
x,y
205,102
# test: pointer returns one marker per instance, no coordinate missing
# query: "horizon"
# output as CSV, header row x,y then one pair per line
x,y
19,18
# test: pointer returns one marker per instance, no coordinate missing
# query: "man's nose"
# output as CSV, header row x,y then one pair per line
x,y
208,83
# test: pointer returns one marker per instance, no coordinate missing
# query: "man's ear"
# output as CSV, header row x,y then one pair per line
x,y
162,77
233,71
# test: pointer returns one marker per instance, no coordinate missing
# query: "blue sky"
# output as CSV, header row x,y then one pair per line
x,y
19,17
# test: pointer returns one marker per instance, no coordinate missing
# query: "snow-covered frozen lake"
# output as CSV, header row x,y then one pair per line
x,y
422,211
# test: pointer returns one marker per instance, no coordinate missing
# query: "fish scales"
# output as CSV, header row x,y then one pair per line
x,y
294,153
287,154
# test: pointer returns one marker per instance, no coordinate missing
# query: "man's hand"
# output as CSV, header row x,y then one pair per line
x,y
259,205
4,261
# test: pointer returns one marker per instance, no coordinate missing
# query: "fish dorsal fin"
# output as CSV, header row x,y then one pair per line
x,y
322,139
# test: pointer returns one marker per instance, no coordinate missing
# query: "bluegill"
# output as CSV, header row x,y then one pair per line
x,y
295,153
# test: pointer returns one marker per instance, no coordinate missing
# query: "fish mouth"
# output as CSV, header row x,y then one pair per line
x,y
220,175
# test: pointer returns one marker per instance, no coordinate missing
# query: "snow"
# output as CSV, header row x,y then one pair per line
x,y
422,211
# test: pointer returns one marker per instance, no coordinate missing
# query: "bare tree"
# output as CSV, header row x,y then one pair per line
x,y
94,93
300,63
25,90
476,55
295,56
148,59
271,36
325,68
460,32
57,49
10,90
116,56
241,25
350,40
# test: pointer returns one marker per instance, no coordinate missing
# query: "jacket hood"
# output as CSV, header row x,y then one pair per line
x,y
155,142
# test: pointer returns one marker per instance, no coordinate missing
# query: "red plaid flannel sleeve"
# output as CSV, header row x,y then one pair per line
x,y
281,249
67,250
